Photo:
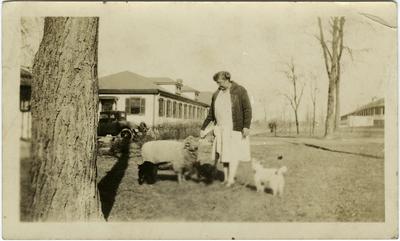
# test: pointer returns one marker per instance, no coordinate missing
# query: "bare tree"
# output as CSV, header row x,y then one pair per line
x,y
332,59
308,120
64,121
294,97
313,96
264,103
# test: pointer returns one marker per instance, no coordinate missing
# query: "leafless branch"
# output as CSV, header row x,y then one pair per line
x,y
378,20
290,101
324,47
350,51
301,94
341,25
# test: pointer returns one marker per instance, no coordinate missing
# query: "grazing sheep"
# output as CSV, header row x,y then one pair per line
x,y
181,155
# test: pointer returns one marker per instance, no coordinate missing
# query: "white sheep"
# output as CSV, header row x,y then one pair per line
x,y
181,155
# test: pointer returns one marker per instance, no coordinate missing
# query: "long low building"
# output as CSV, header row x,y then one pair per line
x,y
151,100
371,114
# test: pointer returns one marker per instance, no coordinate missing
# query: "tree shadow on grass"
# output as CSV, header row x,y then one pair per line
x,y
109,184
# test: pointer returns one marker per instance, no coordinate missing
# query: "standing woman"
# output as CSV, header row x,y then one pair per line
x,y
231,113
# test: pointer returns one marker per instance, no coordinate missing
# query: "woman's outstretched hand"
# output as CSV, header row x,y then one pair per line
x,y
245,132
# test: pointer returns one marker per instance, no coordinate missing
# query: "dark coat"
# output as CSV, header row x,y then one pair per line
x,y
241,108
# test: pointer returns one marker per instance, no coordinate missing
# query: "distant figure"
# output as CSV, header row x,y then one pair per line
x,y
272,126
231,113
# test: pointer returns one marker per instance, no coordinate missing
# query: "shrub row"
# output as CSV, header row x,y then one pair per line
x,y
168,131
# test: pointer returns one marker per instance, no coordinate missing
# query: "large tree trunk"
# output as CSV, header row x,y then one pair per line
x,y
337,107
339,39
331,117
330,113
64,121
332,65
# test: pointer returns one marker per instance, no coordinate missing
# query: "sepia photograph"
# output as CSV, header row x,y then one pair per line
x,y
200,120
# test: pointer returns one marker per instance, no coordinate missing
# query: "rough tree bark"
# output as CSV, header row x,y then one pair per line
x,y
294,98
64,121
332,64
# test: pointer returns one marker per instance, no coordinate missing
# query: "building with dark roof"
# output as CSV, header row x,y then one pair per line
x,y
150,100
371,114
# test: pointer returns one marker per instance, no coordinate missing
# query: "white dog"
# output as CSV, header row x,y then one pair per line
x,y
273,177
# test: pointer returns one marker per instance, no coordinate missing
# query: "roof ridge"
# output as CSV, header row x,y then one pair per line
x,y
122,72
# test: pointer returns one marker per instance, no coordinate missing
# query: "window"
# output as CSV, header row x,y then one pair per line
x,y
135,106
25,98
193,111
25,105
161,107
180,111
185,111
106,105
174,110
169,112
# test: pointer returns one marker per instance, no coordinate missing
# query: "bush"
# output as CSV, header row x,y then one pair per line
x,y
170,131
176,131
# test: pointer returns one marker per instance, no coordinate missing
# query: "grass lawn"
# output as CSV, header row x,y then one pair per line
x,y
321,186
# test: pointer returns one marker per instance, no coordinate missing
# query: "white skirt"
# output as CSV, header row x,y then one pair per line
x,y
230,145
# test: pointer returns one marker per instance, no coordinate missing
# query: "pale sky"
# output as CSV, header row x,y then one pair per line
x,y
253,41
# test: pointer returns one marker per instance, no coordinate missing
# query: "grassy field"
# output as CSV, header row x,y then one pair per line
x,y
321,186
